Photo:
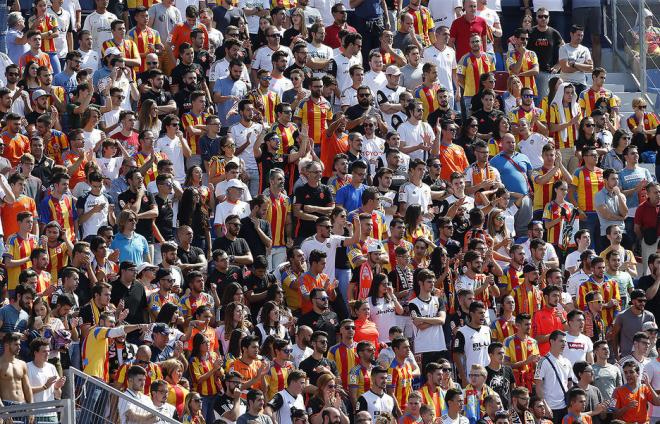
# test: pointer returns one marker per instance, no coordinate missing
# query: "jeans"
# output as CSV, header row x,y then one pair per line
x,y
4,10
542,80
370,31
207,408
592,225
55,63
253,184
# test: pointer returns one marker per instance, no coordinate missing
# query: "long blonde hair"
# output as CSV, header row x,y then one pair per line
x,y
303,25
186,408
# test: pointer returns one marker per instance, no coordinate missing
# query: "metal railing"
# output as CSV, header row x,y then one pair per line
x,y
631,37
98,403
64,408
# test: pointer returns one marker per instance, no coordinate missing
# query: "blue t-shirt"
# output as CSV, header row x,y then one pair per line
x,y
67,81
13,321
15,51
132,249
350,197
512,177
228,87
629,178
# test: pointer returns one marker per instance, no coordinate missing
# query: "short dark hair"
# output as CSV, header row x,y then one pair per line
x,y
135,370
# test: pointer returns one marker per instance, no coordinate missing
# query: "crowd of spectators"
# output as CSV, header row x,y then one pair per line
x,y
338,213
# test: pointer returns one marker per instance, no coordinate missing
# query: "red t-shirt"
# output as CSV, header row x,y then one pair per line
x,y
646,216
332,35
330,148
461,30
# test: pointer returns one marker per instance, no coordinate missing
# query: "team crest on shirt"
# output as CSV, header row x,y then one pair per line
x,y
145,199
321,195
327,245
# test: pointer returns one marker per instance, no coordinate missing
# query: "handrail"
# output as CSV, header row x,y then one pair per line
x,y
73,372
65,406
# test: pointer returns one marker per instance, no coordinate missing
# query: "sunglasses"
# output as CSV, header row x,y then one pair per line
x,y
368,125
275,36
152,63
588,125
528,96
543,16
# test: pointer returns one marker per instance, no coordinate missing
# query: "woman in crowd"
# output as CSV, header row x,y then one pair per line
x,y
327,394
270,324
148,117
501,127
383,306
206,374
192,411
298,30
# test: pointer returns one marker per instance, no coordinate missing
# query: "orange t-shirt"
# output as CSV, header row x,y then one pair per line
x,y
545,322
309,282
181,34
623,396
8,213
331,148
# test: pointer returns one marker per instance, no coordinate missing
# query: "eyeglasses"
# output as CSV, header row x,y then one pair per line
x,y
437,165
588,125
528,96
275,36
475,375
368,125
196,400
445,370
363,94
152,63
323,299
232,34
542,16
287,112
266,78
173,124
641,107
349,327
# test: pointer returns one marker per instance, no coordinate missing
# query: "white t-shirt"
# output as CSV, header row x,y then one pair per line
x,y
221,190
550,252
38,378
111,118
123,406
91,226
551,5
460,419
220,69
375,81
241,134
554,396
443,11
325,8
263,54
468,205
412,135
343,65
321,52
475,345
573,259
90,59
384,316
431,339
63,24
414,195
99,27
110,166
172,148
577,347
280,85
445,63
491,18
533,147
651,372
575,281
372,148
92,138
298,355
253,20
329,246
579,54
224,209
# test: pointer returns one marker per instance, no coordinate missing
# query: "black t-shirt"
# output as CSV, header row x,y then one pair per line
x,y
135,300
238,247
181,69
652,305
182,99
249,233
439,115
165,217
502,381
224,404
356,111
223,17
327,322
269,161
203,59
84,289
546,46
486,120
222,279
191,256
143,225
307,71
161,97
87,314
309,364
258,285
315,196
